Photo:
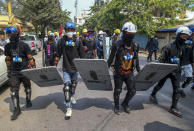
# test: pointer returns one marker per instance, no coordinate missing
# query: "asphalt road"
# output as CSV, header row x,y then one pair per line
x,y
94,110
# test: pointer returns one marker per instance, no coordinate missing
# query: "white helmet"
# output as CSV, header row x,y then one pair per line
x,y
183,30
51,34
100,32
129,27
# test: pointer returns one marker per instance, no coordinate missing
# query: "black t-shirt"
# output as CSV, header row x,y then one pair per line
x,y
18,53
91,44
69,54
50,50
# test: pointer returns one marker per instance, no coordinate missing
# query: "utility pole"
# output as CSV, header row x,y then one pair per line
x,y
76,7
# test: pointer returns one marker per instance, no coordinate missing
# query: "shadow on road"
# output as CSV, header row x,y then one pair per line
x,y
158,126
85,103
8,100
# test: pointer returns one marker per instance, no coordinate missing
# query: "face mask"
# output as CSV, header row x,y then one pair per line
x,y
14,39
69,34
181,41
50,38
128,39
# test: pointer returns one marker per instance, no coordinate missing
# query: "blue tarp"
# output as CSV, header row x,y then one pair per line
x,y
191,27
167,30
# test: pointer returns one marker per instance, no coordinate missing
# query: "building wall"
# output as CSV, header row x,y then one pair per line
x,y
141,39
165,38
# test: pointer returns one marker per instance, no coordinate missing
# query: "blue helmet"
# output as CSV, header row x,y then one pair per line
x,y
11,30
70,25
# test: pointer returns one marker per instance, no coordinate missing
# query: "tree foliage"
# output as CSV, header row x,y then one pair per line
x,y
41,13
141,12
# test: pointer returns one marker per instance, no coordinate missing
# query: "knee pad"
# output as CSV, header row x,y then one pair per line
x,y
117,91
66,90
177,94
14,94
73,86
28,90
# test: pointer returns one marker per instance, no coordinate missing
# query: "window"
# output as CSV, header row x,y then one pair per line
x,y
27,38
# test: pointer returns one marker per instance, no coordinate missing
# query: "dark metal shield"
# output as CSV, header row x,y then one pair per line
x,y
151,74
44,77
94,73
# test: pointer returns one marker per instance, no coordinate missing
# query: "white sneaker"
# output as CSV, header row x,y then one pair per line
x,y
73,100
69,112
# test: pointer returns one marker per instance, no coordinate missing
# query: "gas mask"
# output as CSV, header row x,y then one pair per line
x,y
70,43
90,37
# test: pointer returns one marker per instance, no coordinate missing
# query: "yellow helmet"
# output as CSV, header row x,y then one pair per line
x,y
77,33
84,31
49,32
117,31
56,33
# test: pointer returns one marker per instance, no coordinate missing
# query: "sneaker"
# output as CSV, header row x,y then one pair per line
x,y
73,100
175,112
16,113
126,108
153,99
68,113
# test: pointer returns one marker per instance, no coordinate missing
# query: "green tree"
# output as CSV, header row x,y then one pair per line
x,y
114,14
44,13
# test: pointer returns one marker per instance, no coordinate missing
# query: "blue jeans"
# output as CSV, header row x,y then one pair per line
x,y
67,79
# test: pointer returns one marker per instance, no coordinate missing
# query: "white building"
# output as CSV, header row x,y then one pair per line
x,y
101,2
80,20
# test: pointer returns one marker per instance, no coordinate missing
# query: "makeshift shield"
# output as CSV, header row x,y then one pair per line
x,y
151,74
44,77
94,73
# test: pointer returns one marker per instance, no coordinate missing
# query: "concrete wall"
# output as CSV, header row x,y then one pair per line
x,y
165,38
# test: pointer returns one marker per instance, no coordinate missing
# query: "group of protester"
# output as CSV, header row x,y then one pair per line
x,y
123,59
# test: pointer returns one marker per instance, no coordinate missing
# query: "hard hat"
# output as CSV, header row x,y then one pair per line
x,y
51,34
70,25
49,31
183,30
129,27
77,33
84,31
11,30
100,32
56,33
117,31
